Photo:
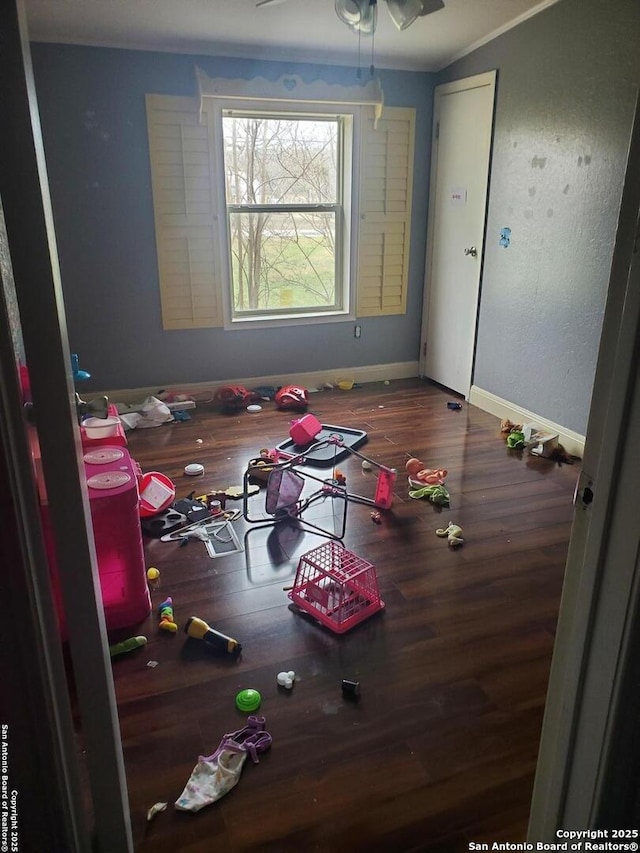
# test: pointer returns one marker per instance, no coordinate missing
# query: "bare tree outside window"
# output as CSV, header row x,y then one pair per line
x,y
284,205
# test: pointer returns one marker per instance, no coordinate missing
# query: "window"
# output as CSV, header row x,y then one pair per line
x,y
274,215
284,192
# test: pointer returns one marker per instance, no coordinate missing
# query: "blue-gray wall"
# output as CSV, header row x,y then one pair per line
x,y
92,111
567,84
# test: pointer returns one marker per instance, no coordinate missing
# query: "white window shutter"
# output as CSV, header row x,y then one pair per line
x,y
183,202
386,183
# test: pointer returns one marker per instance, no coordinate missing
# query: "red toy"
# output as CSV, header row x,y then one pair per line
x,y
233,397
292,398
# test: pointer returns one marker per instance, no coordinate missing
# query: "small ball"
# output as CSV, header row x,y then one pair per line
x,y
153,574
199,441
366,466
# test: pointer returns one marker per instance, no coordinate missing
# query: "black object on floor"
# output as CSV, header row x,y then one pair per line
x,y
164,522
453,405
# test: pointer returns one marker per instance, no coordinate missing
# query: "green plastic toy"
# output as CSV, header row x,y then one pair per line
x,y
436,494
127,646
515,440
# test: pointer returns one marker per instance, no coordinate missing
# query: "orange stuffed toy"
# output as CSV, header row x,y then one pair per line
x,y
429,476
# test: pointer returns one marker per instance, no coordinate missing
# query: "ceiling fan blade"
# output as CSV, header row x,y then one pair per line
x,y
429,6
404,12
360,16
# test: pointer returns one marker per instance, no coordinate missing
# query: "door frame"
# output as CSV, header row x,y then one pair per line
x,y
24,194
487,78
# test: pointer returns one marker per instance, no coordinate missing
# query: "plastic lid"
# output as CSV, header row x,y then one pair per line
x,y
109,480
103,455
194,469
248,700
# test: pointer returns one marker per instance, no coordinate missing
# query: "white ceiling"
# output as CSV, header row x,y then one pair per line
x,y
296,30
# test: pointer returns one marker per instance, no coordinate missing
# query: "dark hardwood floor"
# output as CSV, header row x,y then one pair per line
x,y
440,749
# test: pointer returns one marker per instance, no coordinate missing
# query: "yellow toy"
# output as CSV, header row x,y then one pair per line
x,y
452,532
166,616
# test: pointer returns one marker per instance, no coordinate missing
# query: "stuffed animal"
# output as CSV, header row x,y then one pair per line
x,y
452,532
436,494
420,474
515,440
508,426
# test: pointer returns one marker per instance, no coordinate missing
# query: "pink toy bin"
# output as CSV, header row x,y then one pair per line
x,y
157,493
112,486
305,429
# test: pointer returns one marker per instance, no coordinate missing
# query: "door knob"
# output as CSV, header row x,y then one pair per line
x,y
471,251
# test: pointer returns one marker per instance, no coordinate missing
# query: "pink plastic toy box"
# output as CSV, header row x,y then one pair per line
x,y
112,483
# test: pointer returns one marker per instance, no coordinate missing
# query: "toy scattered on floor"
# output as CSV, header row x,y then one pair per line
x,y
350,689
515,440
419,473
128,645
376,517
215,775
248,700
438,495
238,492
508,426
452,404
336,587
286,679
155,809
231,398
198,629
165,611
366,465
152,573
303,430
194,469
292,398
452,532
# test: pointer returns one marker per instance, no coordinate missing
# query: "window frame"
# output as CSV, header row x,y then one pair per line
x,y
347,246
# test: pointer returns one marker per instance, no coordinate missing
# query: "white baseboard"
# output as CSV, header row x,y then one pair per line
x,y
572,442
311,381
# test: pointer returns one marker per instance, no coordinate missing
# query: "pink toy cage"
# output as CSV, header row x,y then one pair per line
x,y
336,587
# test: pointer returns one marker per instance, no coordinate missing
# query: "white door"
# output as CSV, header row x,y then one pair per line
x,y
462,125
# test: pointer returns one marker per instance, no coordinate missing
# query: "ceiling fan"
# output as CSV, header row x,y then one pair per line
x,y
361,16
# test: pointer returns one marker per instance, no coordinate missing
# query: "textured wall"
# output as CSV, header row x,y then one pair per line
x,y
567,83
9,292
92,111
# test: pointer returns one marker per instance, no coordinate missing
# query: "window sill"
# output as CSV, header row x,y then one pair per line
x,y
270,322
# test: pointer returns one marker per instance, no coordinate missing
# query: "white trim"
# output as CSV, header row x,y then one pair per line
x,y
311,380
572,442
211,114
530,13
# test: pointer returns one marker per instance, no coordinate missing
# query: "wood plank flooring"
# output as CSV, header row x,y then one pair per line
x,y
441,747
